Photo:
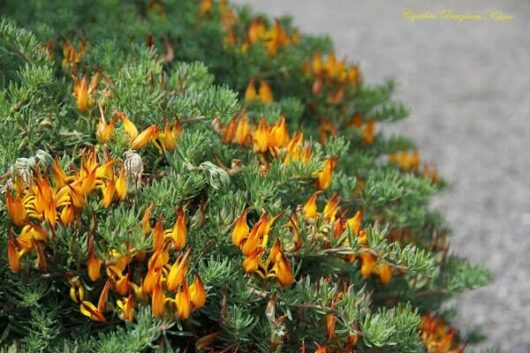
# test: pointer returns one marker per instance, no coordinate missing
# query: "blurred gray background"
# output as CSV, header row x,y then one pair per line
x,y
468,87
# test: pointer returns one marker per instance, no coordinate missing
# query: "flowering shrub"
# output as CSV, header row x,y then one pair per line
x,y
189,176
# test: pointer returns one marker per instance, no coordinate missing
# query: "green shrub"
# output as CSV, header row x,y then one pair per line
x,y
184,176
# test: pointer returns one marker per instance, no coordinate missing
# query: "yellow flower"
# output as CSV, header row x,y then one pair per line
x,y
88,309
77,291
128,126
127,307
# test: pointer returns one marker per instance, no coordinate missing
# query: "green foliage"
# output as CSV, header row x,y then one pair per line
x,y
170,69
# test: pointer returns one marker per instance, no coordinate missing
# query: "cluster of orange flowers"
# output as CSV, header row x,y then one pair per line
x,y
263,94
332,74
272,38
39,204
71,55
228,18
160,279
164,139
333,219
274,139
410,161
437,337
253,244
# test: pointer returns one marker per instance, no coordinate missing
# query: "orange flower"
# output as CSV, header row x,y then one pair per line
x,y
13,255
261,137
354,223
41,258
283,271
331,208
71,56
385,274
229,130
167,138
108,191
121,185
265,92
83,91
183,303
151,280
241,229
369,132
330,326
178,234
158,236
15,208
197,293
93,262
251,262
279,136
145,137
146,225
250,92
242,133
310,208
320,349
178,271
367,264
127,307
128,126
157,301
253,242
104,131
325,175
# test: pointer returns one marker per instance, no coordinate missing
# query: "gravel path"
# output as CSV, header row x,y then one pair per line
x,y
468,87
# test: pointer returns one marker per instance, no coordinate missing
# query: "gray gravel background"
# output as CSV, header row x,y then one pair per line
x,y
468,87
